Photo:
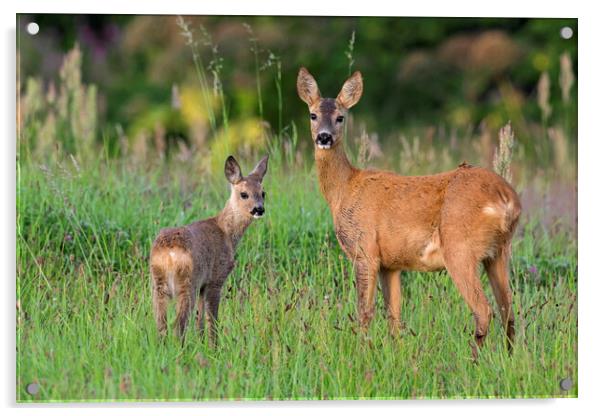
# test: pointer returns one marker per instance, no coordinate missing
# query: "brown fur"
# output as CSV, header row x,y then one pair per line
x,y
191,263
387,223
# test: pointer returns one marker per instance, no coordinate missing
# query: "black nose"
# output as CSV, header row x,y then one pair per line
x,y
324,138
258,210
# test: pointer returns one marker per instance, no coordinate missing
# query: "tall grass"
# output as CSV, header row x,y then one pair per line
x,y
255,50
350,62
199,67
287,321
215,66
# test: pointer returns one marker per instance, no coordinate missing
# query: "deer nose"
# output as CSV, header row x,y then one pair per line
x,y
324,138
258,210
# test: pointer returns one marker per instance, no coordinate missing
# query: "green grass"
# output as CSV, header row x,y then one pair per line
x,y
288,325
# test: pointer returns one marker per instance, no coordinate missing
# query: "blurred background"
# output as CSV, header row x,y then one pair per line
x,y
190,89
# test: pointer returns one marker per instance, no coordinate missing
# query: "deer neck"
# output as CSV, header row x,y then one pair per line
x,y
334,172
233,224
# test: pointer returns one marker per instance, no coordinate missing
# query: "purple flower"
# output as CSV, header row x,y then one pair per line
x,y
534,273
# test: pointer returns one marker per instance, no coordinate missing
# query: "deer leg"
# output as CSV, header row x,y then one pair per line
x,y
463,269
200,317
499,277
390,283
160,299
212,298
184,306
365,279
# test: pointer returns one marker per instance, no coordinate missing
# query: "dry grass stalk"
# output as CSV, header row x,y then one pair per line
x,y
77,103
502,157
543,96
176,103
160,140
369,148
362,153
63,116
561,149
567,77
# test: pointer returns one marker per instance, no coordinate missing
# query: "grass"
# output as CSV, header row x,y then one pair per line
x,y
288,325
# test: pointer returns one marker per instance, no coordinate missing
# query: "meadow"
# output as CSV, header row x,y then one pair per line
x,y
88,210
287,320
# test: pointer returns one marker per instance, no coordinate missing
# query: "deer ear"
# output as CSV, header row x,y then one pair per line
x,y
260,170
232,170
352,90
307,87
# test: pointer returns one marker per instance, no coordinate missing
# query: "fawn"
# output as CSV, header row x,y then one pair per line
x,y
387,223
197,258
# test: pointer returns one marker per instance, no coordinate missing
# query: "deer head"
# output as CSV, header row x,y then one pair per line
x,y
328,114
247,194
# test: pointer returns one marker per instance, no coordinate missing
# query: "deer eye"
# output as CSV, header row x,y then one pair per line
x,y
340,119
244,195
313,116
263,194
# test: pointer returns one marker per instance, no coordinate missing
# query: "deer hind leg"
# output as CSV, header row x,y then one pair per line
x,y
160,298
463,268
185,304
390,283
499,277
185,293
365,281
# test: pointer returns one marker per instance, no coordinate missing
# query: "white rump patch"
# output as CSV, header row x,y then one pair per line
x,y
489,210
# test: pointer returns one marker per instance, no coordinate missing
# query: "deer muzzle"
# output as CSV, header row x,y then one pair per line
x,y
324,140
258,211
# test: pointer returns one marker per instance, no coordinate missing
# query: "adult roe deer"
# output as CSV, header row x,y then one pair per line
x,y
387,223
197,258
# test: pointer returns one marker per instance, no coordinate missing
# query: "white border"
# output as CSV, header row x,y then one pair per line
x,y
590,137
466,8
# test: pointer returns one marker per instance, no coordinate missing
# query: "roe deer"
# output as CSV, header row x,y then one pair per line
x,y
387,223
197,258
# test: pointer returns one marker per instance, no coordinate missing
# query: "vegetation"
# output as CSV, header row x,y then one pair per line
x,y
91,196
288,327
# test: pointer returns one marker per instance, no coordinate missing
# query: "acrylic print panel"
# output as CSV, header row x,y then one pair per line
x,y
125,125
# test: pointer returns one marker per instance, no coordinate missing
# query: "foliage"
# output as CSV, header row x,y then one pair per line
x,y
419,72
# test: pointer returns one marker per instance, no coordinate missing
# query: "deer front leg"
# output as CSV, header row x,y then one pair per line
x,y
390,283
365,281
200,315
212,297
